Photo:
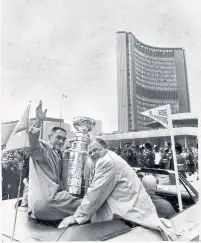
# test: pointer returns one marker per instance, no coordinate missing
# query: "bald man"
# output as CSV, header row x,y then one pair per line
x,y
163,207
116,192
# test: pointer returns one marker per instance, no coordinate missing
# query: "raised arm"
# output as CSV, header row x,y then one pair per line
x,y
36,150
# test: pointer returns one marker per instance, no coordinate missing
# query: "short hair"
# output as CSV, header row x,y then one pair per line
x,y
54,129
150,183
156,148
101,141
178,147
168,144
148,146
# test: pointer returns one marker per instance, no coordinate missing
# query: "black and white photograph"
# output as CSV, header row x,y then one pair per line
x,y
100,120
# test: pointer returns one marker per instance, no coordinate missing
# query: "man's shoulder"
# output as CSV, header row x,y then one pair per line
x,y
113,157
110,152
45,144
119,162
161,200
106,160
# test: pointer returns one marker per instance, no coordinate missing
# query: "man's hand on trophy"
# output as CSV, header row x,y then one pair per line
x,y
40,114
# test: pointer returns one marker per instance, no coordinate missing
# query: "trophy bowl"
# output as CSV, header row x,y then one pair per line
x,y
83,124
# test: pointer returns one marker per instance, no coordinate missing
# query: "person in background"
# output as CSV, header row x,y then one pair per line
x,y
6,173
158,156
140,157
25,180
149,156
131,159
118,151
3,146
181,163
165,160
134,156
17,168
12,179
124,153
168,152
191,167
163,207
195,155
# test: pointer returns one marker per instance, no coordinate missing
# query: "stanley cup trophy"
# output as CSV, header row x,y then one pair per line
x,y
77,166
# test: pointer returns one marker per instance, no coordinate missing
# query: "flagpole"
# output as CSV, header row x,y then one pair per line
x,y
170,128
61,108
176,172
18,195
20,182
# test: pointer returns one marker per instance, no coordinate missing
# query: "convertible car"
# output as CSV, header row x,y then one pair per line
x,y
186,222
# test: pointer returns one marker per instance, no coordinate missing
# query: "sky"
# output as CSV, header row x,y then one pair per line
x,y
50,47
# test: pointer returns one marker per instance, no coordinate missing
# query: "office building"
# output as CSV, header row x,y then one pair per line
x,y
148,77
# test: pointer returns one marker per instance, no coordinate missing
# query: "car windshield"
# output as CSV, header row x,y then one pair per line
x,y
167,182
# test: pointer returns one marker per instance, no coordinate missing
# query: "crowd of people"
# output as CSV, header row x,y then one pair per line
x,y
12,164
136,156
150,156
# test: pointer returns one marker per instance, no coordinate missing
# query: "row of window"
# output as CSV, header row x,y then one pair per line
x,y
156,58
156,86
150,68
153,57
156,67
159,81
142,105
157,94
153,86
144,79
155,75
153,69
143,119
143,101
160,64
153,51
152,64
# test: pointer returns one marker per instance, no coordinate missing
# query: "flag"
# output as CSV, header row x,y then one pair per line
x,y
161,114
19,137
64,96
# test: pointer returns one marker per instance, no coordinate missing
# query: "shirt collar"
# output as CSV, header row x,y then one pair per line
x,y
51,146
58,152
